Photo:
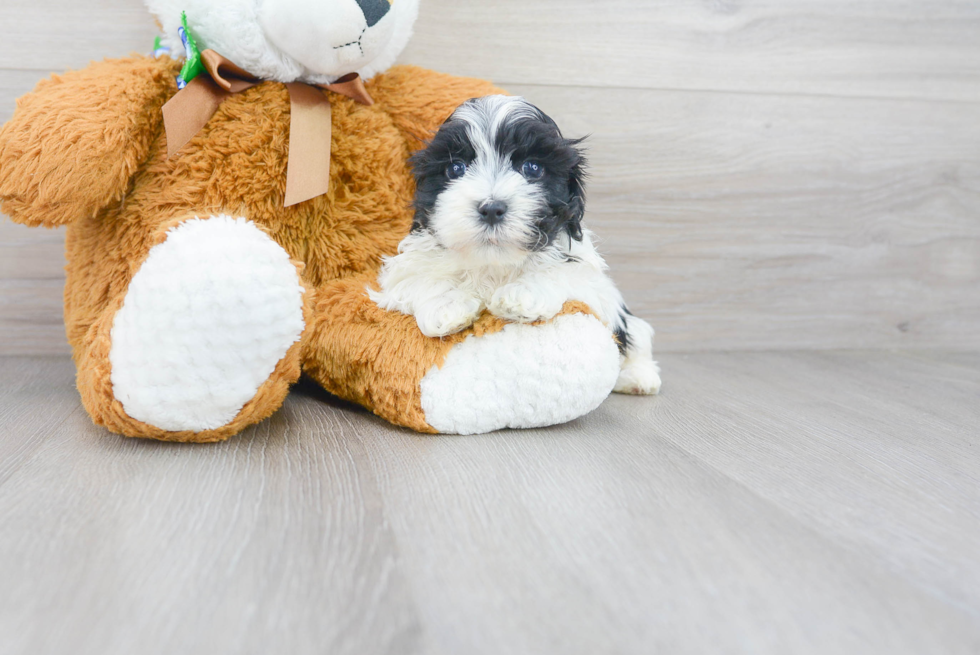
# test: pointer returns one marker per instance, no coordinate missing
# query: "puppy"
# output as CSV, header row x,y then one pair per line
x,y
498,226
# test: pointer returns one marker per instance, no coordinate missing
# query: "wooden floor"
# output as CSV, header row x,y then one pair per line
x,y
765,503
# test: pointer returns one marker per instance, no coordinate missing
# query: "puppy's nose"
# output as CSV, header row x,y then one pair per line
x,y
492,211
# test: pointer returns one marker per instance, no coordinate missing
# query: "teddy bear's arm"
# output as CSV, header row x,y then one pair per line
x,y
74,143
420,100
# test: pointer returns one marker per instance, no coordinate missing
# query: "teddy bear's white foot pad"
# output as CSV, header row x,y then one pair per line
x,y
204,322
522,377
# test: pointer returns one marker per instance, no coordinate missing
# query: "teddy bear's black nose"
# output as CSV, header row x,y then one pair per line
x,y
374,10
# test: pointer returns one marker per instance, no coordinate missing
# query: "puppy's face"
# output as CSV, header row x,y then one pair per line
x,y
499,181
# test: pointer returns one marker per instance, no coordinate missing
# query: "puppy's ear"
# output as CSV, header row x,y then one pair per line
x,y
575,211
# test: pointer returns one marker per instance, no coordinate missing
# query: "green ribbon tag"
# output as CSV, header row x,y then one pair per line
x,y
193,66
159,49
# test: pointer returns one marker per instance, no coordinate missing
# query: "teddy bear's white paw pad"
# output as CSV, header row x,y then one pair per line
x,y
522,377
204,323
516,302
639,377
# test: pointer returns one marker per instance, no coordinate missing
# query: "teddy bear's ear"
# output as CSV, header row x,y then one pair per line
x,y
74,143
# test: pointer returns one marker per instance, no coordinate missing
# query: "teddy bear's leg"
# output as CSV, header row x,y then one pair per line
x,y
490,376
206,339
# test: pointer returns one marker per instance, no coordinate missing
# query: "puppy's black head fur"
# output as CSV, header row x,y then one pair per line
x,y
528,135
450,144
538,139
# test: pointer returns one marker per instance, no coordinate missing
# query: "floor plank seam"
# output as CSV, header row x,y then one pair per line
x,y
744,92
46,72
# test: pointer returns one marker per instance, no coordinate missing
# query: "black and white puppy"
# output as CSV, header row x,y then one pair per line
x,y
498,225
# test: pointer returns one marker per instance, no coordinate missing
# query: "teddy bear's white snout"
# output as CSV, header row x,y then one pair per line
x,y
322,34
349,54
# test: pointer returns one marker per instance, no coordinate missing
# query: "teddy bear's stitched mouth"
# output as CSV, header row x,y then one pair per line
x,y
357,42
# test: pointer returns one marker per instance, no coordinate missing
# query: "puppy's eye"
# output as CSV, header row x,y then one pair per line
x,y
532,170
455,170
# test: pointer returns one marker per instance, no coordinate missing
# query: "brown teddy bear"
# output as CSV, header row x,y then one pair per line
x,y
221,237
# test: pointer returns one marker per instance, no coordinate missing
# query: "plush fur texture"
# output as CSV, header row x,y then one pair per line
x,y
498,226
74,144
204,322
92,348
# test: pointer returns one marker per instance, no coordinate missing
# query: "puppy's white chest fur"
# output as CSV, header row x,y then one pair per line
x,y
447,289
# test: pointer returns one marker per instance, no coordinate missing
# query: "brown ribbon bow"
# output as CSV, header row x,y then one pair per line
x,y
308,166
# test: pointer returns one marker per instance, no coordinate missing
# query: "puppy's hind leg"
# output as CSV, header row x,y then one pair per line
x,y
639,374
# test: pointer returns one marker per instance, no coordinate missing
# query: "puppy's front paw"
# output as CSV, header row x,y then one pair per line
x,y
447,314
518,302
640,377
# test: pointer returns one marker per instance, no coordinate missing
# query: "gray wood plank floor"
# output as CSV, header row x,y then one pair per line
x,y
764,503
